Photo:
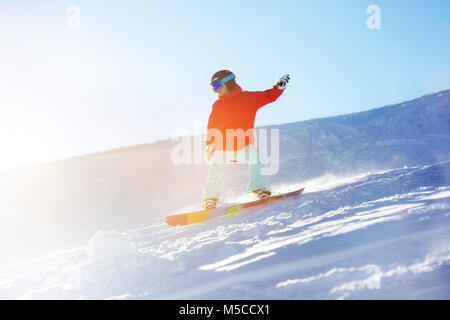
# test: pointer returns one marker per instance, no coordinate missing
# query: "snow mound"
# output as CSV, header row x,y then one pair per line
x,y
117,271
106,245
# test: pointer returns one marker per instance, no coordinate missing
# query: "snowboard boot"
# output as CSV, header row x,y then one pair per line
x,y
210,203
261,193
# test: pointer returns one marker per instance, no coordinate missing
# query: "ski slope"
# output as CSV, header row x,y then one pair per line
x,y
373,223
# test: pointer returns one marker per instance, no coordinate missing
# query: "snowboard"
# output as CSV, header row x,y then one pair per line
x,y
187,218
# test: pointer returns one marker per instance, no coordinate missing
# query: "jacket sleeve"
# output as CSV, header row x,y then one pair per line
x,y
261,98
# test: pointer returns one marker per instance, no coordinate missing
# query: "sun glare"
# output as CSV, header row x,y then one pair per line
x,y
24,140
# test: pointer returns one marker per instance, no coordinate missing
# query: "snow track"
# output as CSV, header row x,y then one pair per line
x,y
383,235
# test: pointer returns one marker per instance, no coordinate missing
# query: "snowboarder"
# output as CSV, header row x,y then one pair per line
x,y
235,110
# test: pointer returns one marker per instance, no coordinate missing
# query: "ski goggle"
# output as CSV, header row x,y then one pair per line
x,y
216,85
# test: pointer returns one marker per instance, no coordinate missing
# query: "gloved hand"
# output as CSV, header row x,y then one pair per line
x,y
283,82
209,152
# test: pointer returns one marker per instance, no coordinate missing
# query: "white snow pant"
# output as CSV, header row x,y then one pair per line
x,y
249,154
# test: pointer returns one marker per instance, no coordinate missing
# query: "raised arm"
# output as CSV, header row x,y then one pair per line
x,y
261,98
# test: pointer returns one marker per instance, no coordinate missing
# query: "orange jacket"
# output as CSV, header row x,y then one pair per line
x,y
237,110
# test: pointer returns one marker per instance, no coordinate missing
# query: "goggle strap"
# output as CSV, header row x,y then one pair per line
x,y
228,78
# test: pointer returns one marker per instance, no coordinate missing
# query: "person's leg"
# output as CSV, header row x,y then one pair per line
x,y
256,179
216,173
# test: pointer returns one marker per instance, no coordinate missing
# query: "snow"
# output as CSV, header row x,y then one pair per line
x,y
373,223
109,245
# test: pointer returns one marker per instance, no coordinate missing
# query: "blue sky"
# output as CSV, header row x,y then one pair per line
x,y
136,71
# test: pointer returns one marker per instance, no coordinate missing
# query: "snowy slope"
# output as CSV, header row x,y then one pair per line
x,y
374,222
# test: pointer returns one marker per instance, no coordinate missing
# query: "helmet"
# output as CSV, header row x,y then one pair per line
x,y
219,75
222,74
